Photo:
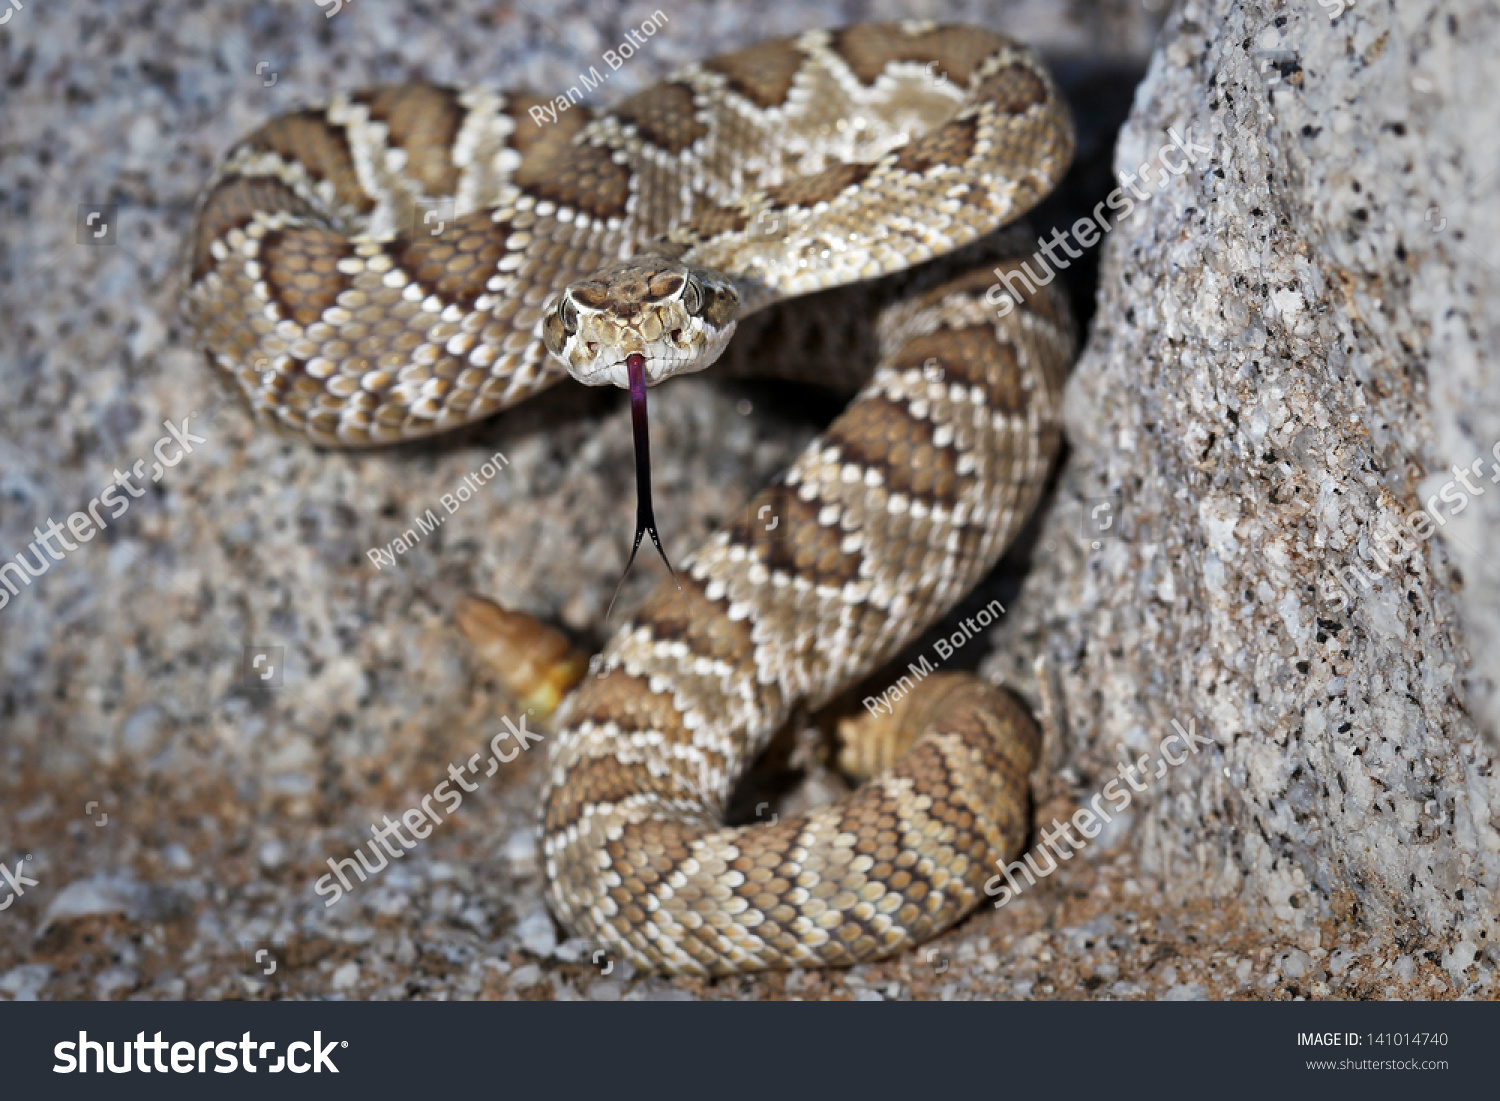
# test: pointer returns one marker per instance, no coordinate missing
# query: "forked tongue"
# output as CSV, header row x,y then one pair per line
x,y
645,518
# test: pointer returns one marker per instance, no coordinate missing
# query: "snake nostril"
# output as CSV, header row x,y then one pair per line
x,y
593,349
676,335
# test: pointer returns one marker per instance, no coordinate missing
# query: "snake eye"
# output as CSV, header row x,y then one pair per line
x,y
569,314
692,296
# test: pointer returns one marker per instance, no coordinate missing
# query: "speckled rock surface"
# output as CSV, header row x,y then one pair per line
x,y
1295,338
175,800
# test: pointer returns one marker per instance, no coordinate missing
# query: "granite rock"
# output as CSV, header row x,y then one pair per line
x,y
1293,345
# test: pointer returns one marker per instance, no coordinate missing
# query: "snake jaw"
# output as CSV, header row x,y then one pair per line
x,y
679,318
645,516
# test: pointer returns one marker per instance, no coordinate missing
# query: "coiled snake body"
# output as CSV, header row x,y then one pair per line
x,y
317,280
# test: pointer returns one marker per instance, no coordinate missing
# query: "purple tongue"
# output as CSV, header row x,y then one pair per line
x,y
645,518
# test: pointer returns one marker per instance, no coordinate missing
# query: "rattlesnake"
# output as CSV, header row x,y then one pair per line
x,y
315,277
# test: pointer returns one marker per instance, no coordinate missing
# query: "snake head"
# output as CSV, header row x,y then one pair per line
x,y
678,318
